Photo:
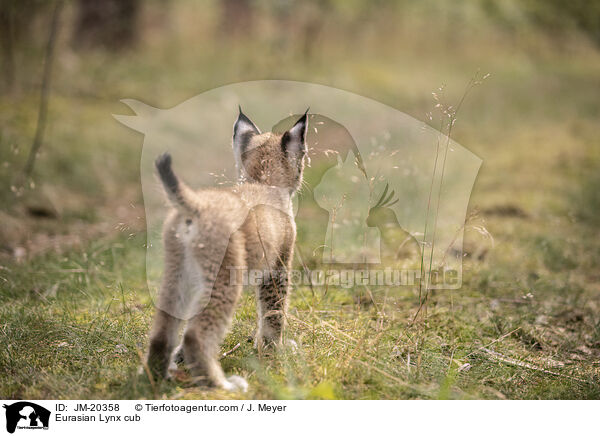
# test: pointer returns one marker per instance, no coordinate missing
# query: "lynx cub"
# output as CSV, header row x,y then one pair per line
x,y
211,232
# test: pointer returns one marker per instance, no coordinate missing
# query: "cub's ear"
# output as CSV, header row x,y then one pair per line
x,y
293,141
243,130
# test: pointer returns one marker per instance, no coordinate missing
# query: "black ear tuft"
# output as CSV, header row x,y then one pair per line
x,y
294,139
243,130
243,125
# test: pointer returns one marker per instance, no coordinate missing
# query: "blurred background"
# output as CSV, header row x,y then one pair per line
x,y
71,212
542,98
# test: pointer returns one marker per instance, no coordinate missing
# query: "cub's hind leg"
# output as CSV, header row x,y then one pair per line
x,y
165,329
162,342
206,330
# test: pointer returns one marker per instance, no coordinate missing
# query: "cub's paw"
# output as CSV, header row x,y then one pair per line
x,y
142,371
291,346
177,356
235,383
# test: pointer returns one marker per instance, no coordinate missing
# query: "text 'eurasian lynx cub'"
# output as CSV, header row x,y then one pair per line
x,y
211,232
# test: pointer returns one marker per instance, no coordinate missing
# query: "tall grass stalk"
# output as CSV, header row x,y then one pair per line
x,y
449,113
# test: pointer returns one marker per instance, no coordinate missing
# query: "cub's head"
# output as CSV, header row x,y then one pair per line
x,y
269,158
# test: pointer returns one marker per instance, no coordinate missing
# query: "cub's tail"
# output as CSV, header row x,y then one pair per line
x,y
180,195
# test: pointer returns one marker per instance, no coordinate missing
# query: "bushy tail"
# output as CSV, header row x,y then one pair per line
x,y
180,195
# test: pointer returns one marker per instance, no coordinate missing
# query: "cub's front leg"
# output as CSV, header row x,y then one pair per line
x,y
273,297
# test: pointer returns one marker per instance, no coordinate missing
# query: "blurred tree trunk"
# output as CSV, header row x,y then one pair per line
x,y
46,79
111,24
236,18
312,26
17,17
7,37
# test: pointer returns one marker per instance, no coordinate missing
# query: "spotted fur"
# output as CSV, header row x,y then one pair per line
x,y
211,232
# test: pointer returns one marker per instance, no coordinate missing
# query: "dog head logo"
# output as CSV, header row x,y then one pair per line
x,y
26,415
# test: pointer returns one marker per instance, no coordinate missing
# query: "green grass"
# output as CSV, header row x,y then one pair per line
x,y
74,307
74,326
